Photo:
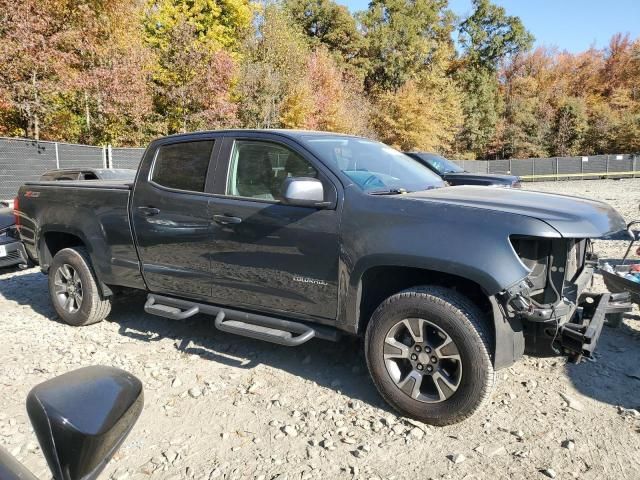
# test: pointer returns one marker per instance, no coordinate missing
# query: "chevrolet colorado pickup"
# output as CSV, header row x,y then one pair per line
x,y
289,235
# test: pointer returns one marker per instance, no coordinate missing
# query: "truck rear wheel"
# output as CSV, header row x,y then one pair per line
x,y
74,290
427,350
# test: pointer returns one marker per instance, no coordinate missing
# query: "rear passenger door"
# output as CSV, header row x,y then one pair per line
x,y
267,255
170,216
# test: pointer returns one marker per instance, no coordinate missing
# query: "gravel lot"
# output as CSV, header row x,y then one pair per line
x,y
220,406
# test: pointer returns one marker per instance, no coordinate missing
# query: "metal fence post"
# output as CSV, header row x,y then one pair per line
x,y
533,170
57,156
109,156
510,169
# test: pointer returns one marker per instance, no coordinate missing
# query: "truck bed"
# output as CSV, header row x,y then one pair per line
x,y
94,211
99,184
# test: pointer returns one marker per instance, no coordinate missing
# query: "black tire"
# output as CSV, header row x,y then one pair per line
x,y
91,308
445,312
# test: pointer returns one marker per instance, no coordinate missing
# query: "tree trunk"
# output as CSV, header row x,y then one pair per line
x,y
36,103
87,114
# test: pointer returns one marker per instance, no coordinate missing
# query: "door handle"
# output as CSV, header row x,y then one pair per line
x,y
227,219
148,211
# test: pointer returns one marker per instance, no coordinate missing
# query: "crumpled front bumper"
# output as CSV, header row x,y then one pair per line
x,y
576,336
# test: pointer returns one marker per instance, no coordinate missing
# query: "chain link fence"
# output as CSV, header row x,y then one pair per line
x,y
559,168
24,160
125,157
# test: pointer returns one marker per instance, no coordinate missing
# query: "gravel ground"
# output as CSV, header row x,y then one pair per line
x,y
220,406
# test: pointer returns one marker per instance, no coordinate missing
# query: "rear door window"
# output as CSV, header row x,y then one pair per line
x,y
183,166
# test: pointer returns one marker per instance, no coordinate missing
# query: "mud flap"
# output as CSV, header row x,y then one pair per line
x,y
508,342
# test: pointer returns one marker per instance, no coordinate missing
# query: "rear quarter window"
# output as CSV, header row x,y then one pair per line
x,y
183,166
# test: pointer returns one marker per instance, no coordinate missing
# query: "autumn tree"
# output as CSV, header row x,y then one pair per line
x,y
272,71
336,100
195,44
123,72
109,95
421,115
527,89
34,62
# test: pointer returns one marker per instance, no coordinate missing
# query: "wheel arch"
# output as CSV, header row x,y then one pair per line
x,y
53,240
379,282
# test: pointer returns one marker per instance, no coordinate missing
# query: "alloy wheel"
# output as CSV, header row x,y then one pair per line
x,y
68,288
422,360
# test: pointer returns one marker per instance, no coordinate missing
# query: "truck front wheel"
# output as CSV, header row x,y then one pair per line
x,y
427,350
74,290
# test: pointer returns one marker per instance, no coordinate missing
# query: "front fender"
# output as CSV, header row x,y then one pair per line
x,y
465,242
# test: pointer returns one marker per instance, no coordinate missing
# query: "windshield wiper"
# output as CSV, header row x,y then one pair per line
x,y
391,191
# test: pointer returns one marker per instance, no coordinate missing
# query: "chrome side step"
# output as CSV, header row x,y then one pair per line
x,y
261,327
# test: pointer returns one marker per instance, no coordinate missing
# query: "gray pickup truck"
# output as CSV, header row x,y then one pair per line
x,y
287,236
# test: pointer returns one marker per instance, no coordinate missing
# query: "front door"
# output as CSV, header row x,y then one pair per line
x,y
268,255
171,218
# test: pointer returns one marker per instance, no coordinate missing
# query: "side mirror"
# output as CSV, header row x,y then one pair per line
x,y
303,192
82,417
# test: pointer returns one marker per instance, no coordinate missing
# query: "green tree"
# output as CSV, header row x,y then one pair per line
x,y
601,128
488,37
327,23
402,38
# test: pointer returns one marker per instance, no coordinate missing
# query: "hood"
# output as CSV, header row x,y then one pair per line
x,y
485,178
6,218
572,217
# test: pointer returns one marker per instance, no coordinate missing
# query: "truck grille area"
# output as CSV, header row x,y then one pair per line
x,y
555,265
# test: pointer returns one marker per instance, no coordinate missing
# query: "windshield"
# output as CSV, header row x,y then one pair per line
x,y
373,166
441,164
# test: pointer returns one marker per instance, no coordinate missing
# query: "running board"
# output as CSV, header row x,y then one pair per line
x,y
261,327
167,311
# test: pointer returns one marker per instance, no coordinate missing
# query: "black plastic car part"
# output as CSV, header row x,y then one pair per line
x,y
82,417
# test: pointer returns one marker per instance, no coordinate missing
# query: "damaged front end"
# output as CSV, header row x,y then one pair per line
x,y
558,315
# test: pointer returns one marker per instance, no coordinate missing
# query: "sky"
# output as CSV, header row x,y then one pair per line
x,y
573,25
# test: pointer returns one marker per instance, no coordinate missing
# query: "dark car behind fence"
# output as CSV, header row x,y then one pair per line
x,y
22,160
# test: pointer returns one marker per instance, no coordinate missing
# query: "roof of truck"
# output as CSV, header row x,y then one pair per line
x,y
293,133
